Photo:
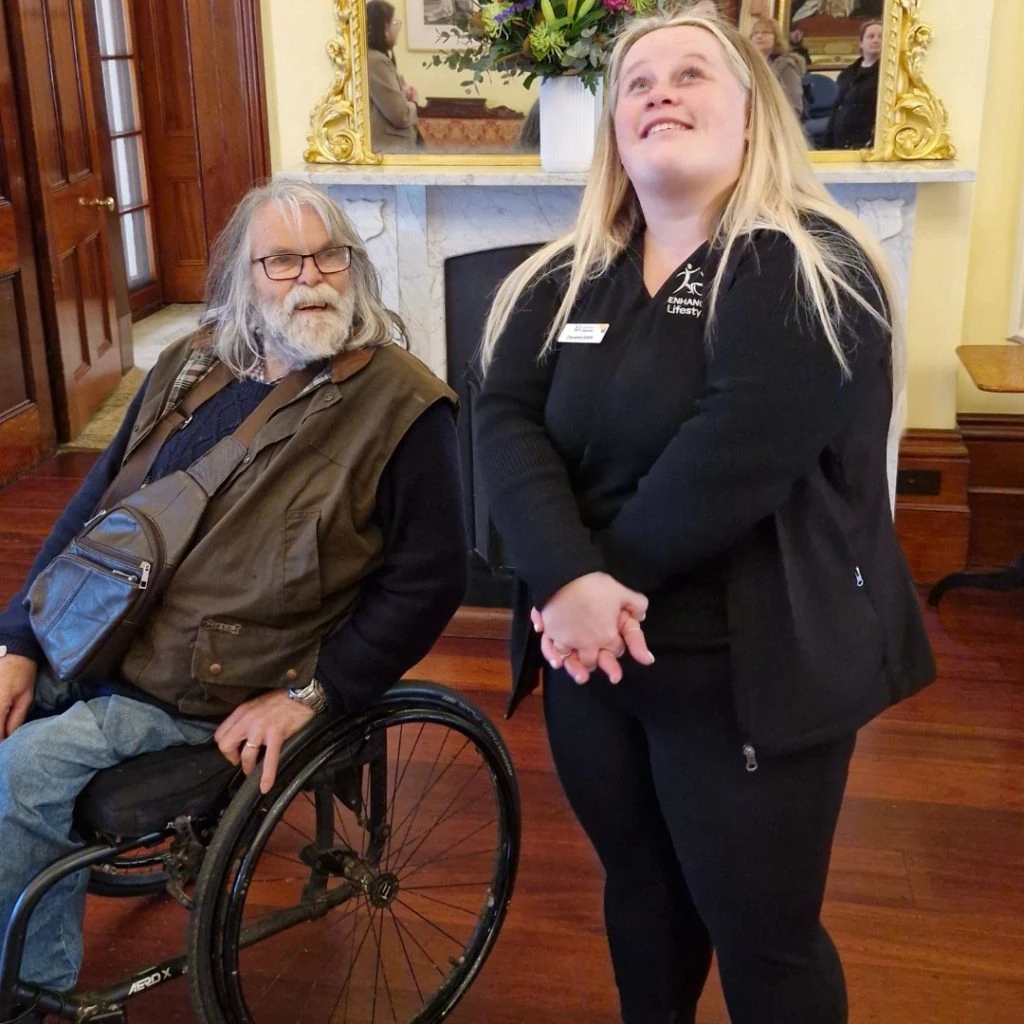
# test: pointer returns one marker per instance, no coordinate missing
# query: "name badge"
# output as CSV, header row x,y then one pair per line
x,y
582,334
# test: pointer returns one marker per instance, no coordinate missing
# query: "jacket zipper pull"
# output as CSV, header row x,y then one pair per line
x,y
857,576
751,755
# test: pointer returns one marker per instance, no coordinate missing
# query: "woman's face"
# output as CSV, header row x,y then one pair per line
x,y
391,33
680,113
764,39
871,44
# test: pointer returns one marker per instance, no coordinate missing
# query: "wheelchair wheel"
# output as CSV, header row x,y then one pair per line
x,y
371,882
143,874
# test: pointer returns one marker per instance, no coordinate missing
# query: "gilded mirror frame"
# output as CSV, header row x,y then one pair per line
x,y
911,123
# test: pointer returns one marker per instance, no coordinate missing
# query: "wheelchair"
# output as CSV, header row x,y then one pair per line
x,y
368,885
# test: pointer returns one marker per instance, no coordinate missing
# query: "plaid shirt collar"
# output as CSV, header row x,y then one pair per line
x,y
202,360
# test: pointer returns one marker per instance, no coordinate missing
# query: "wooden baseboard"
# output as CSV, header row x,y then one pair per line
x,y
480,623
933,516
995,443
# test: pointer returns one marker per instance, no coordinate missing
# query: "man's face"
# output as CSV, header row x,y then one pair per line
x,y
308,317
273,231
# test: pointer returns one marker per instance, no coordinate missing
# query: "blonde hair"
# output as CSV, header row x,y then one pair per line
x,y
781,44
777,189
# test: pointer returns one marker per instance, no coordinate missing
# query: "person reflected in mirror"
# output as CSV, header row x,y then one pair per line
x,y
682,432
767,35
393,111
529,133
797,46
852,124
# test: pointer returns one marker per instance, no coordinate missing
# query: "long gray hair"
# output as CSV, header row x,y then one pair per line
x,y
231,304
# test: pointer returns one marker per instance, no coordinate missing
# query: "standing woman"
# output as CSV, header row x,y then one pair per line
x,y
392,102
852,125
684,424
768,37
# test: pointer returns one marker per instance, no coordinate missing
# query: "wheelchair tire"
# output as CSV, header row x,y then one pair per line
x,y
143,875
396,921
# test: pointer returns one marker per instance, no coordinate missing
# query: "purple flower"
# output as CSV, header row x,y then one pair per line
x,y
618,5
512,10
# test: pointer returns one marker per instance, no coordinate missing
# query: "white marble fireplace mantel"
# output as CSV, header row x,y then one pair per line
x,y
414,218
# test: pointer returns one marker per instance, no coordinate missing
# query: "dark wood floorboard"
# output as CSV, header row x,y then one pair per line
x,y
926,895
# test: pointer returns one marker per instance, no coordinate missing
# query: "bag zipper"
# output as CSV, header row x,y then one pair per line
x,y
138,579
751,756
144,568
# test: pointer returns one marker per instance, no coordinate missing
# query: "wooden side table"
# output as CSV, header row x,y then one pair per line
x,y
995,368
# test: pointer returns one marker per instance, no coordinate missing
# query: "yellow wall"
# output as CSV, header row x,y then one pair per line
x,y
965,234
994,233
956,68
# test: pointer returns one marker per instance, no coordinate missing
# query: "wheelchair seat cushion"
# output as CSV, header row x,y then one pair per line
x,y
146,793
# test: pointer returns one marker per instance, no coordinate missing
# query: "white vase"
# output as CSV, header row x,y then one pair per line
x,y
569,114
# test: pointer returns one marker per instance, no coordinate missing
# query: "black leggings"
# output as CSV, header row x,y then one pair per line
x,y
699,852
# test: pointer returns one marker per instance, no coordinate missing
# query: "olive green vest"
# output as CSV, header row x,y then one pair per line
x,y
286,545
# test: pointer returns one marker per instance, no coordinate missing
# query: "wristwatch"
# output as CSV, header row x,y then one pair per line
x,y
311,696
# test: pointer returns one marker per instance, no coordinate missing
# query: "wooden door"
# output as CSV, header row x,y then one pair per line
x,y
163,48
26,414
77,224
200,68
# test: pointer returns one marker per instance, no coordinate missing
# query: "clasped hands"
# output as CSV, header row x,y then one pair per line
x,y
589,624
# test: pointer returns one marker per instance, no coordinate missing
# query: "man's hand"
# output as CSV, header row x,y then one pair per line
x,y
584,625
267,721
17,687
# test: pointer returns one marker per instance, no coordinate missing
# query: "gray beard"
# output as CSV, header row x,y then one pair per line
x,y
298,339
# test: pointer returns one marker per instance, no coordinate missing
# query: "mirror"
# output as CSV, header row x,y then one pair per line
x,y
853,68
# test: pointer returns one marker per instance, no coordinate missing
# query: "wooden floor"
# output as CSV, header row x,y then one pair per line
x,y
926,898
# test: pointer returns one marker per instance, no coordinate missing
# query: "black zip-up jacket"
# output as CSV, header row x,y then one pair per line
x,y
852,123
773,481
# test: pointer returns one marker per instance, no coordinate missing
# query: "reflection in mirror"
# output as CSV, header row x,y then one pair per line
x,y
419,108
835,46
427,112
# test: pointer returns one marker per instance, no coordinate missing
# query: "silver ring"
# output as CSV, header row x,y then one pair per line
x,y
254,746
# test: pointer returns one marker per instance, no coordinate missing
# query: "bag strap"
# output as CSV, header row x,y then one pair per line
x,y
139,463
214,468
133,473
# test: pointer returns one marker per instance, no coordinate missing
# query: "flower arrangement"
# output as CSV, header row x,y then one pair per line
x,y
538,38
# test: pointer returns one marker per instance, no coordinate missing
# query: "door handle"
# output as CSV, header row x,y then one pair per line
x,y
108,202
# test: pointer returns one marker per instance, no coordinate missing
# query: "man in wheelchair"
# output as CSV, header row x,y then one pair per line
x,y
324,566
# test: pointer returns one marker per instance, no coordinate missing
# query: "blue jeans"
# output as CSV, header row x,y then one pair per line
x,y
44,765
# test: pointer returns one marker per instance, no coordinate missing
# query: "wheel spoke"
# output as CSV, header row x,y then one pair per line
x,y
348,977
443,853
430,783
419,945
405,951
436,927
445,903
445,816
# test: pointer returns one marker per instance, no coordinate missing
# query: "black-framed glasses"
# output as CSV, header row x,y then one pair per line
x,y
286,266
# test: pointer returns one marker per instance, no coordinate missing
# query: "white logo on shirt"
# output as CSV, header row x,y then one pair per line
x,y
691,301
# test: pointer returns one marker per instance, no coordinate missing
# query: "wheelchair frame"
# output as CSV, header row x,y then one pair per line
x,y
106,1005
